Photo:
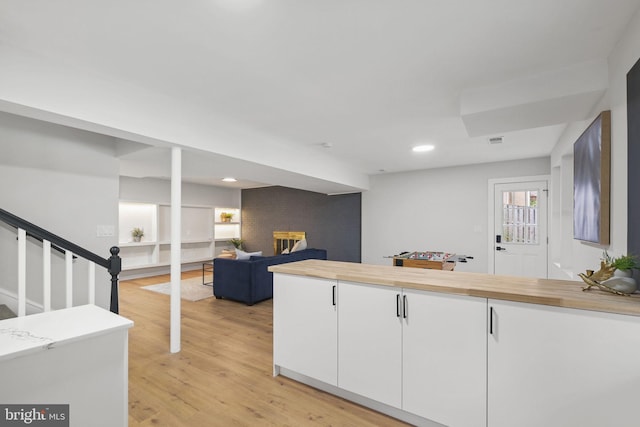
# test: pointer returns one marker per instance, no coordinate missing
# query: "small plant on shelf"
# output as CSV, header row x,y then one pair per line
x,y
625,263
237,243
226,216
137,234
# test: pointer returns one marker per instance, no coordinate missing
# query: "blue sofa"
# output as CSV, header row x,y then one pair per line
x,y
249,281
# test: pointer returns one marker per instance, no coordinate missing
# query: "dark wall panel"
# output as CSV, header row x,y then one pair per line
x,y
633,158
331,222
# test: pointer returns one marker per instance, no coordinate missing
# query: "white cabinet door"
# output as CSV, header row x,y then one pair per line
x,y
445,357
370,342
557,367
305,326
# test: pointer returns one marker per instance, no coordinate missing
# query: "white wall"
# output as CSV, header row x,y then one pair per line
x,y
406,211
573,257
63,180
435,209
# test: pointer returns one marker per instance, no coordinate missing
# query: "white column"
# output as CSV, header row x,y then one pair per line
x,y
176,223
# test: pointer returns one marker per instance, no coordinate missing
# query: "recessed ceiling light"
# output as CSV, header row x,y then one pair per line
x,y
422,148
229,179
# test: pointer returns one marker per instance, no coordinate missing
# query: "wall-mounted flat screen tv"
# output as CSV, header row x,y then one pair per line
x,y
591,181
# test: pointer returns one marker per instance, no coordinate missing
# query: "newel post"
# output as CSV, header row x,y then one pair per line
x,y
115,267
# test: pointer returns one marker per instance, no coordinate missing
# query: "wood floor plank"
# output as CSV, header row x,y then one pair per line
x,y
223,374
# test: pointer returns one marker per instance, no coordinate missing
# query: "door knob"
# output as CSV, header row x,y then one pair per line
x,y
498,248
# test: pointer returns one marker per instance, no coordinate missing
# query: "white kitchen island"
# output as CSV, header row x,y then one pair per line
x,y
459,349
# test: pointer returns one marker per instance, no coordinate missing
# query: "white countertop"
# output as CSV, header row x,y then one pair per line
x,y
20,336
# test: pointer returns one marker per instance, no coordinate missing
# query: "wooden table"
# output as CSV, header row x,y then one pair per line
x,y
207,267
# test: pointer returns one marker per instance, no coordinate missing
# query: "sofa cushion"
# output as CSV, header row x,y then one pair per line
x,y
242,255
300,245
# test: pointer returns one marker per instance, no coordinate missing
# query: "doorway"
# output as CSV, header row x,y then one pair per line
x,y
518,232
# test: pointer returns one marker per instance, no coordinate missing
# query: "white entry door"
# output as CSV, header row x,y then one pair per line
x,y
520,228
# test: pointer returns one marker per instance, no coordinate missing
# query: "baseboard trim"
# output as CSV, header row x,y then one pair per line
x,y
10,299
155,271
356,398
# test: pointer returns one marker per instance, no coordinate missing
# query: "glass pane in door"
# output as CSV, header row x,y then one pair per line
x,y
520,217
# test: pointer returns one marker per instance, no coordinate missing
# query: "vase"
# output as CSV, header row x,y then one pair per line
x,y
137,238
622,282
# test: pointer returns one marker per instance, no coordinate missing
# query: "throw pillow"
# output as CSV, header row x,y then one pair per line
x,y
299,246
242,255
286,251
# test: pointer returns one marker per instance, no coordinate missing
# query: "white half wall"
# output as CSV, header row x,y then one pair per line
x,y
435,210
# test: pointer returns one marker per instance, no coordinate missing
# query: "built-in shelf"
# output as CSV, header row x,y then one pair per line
x,y
200,231
235,218
185,242
134,244
227,230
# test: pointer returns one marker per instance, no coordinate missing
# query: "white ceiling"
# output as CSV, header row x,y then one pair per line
x,y
370,77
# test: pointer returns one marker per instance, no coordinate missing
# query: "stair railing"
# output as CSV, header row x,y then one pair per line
x,y
50,242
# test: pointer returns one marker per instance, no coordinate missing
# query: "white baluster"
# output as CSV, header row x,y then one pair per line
x,y
22,272
92,282
46,274
69,273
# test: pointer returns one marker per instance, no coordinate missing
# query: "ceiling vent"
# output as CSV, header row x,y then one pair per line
x,y
495,140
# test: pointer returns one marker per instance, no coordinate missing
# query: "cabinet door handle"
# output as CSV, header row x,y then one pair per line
x,y
491,320
404,306
397,305
333,291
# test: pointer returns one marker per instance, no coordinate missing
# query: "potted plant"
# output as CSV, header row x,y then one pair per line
x,y
622,280
226,216
237,243
137,234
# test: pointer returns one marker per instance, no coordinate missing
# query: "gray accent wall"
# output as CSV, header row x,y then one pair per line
x,y
331,222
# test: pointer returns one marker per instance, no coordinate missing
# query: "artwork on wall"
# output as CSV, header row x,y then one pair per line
x,y
633,159
591,181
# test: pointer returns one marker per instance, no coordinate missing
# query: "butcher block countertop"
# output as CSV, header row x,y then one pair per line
x,y
559,293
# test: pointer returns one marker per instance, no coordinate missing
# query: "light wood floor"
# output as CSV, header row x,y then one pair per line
x,y
223,375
